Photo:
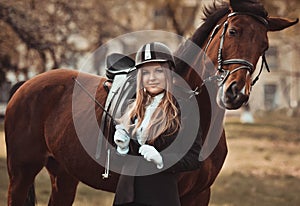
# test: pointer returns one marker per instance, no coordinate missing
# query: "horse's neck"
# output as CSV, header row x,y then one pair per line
x,y
212,125
211,115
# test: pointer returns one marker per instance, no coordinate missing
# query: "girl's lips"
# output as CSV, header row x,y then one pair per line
x,y
153,83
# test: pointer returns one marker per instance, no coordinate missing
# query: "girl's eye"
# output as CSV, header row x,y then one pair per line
x,y
160,70
145,73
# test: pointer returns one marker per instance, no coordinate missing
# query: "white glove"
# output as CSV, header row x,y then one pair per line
x,y
121,139
151,154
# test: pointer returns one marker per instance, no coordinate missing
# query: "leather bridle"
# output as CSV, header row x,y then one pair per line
x,y
222,74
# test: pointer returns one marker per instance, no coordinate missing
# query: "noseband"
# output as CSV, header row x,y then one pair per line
x,y
222,73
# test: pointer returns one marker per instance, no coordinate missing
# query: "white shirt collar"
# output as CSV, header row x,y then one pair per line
x,y
158,98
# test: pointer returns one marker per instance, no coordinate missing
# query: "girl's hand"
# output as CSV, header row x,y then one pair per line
x,y
121,139
151,154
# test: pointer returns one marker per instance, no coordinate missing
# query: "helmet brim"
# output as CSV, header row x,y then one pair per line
x,y
151,61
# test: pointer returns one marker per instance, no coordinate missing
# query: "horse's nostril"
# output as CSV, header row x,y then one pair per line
x,y
232,90
233,97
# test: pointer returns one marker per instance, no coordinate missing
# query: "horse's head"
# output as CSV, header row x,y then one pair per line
x,y
237,42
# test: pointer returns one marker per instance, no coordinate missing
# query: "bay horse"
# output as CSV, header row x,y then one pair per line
x,y
39,121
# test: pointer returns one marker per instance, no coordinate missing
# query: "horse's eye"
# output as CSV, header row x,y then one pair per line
x,y
232,32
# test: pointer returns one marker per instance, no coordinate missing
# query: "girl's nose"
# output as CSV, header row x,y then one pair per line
x,y
152,76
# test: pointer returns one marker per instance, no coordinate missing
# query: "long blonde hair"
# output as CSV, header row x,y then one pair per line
x,y
165,119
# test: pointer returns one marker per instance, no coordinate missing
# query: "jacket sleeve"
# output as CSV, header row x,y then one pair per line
x,y
185,145
179,162
180,158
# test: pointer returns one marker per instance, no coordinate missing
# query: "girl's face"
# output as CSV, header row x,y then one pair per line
x,y
153,78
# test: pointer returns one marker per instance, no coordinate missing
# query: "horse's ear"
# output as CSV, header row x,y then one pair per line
x,y
233,4
277,23
242,5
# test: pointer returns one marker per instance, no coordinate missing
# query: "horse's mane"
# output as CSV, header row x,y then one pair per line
x,y
211,15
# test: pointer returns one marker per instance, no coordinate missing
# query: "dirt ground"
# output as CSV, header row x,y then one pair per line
x,y
262,167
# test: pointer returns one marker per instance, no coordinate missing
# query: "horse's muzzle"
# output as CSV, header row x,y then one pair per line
x,y
231,98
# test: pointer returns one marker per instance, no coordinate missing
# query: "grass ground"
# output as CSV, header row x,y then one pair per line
x,y
262,167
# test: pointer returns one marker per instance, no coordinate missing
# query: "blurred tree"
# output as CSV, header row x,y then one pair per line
x,y
182,16
47,34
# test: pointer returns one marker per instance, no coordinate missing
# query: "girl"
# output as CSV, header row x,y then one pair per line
x,y
153,121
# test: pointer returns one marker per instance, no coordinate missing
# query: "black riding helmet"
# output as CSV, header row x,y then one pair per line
x,y
154,52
